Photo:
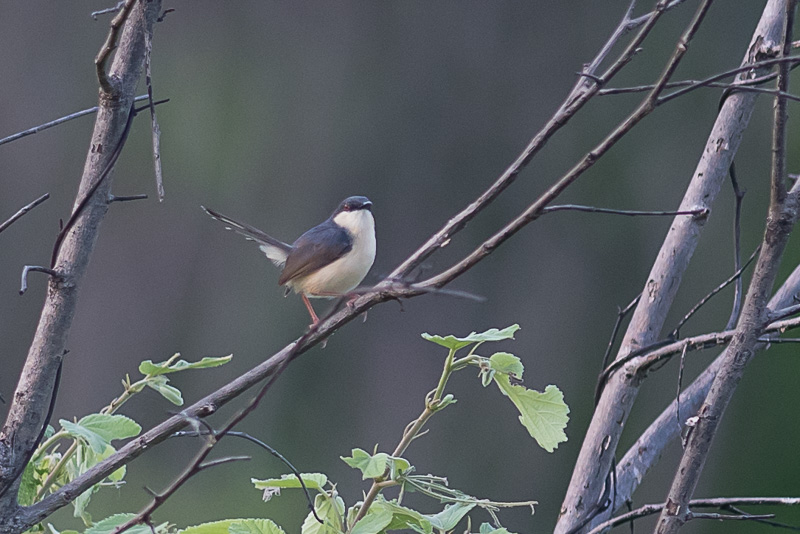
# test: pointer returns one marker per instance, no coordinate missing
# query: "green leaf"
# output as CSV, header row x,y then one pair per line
x,y
448,518
374,466
330,510
377,519
254,526
107,525
506,363
147,367
28,486
311,480
98,430
455,343
406,518
486,528
543,414
171,393
214,527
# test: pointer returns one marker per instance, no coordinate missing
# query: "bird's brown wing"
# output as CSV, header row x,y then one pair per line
x,y
315,249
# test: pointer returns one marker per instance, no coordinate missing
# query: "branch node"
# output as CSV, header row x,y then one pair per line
x,y
56,277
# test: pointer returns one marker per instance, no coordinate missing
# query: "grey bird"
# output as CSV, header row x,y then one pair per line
x,y
327,261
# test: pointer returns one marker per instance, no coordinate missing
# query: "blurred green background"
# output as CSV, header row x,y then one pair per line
x,y
279,110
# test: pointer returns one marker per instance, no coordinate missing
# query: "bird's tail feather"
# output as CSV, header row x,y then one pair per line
x,y
274,249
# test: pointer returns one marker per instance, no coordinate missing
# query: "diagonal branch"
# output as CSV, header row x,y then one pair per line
x,y
594,462
644,454
582,92
755,314
29,404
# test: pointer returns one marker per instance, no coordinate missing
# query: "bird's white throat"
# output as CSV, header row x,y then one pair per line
x,y
348,271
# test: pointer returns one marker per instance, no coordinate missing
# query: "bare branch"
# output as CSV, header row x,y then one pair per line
x,y
701,212
107,10
594,461
722,503
220,461
23,287
114,198
155,128
576,99
644,453
780,221
535,210
29,404
621,314
45,126
25,209
734,277
110,45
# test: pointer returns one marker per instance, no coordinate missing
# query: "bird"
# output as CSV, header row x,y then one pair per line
x,y
327,261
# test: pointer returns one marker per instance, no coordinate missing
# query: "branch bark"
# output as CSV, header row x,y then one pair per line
x,y
28,410
755,313
599,446
647,450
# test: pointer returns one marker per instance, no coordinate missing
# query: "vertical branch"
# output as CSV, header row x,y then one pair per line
x,y
599,447
755,314
29,404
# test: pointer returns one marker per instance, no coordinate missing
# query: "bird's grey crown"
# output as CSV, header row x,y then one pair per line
x,y
354,204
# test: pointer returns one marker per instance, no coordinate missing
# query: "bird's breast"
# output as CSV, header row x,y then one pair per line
x,y
347,272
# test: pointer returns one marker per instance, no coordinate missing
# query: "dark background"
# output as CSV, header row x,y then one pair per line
x,y
280,110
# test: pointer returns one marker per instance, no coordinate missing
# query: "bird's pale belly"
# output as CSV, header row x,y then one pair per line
x,y
339,277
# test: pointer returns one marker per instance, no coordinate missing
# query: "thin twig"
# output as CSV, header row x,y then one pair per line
x,y
110,44
738,193
781,62
269,449
621,313
220,461
700,212
155,129
115,198
23,287
746,87
95,14
90,193
735,276
45,126
659,351
650,509
25,209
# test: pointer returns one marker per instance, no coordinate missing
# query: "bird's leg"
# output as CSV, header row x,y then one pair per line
x,y
314,318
